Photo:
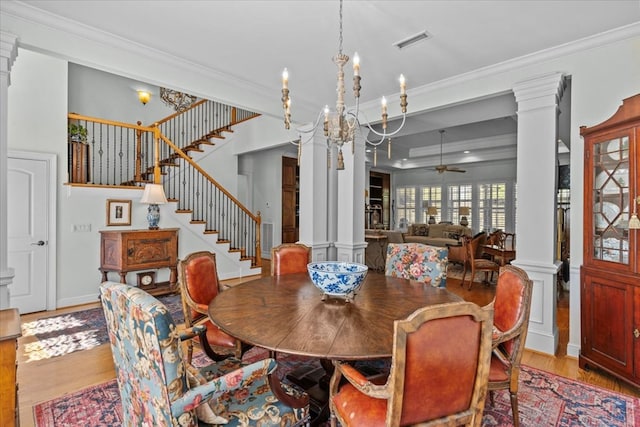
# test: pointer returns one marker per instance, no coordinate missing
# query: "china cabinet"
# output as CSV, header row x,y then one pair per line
x,y
610,274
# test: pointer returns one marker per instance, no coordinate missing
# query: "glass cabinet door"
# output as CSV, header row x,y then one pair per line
x,y
610,234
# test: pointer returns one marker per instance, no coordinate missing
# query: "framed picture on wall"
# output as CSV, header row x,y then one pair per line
x,y
118,212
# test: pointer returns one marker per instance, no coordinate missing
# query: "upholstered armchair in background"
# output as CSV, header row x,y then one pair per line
x,y
433,388
158,388
417,261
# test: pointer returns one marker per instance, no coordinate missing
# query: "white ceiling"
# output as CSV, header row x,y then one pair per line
x,y
254,40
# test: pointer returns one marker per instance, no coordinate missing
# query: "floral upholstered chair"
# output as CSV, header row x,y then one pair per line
x,y
417,261
158,388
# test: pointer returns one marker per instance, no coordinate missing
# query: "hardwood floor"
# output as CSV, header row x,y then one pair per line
x,y
49,378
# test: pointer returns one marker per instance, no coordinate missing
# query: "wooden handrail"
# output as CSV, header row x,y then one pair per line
x,y
75,116
209,177
177,113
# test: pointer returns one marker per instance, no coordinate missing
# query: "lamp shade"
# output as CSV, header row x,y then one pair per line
x,y
153,195
432,210
464,210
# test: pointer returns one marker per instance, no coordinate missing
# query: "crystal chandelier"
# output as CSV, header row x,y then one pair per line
x,y
340,126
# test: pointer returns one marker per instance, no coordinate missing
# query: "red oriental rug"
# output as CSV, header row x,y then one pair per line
x,y
545,399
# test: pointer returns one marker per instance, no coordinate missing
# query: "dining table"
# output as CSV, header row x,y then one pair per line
x,y
287,314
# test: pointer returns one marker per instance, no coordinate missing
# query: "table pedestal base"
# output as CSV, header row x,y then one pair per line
x,y
315,382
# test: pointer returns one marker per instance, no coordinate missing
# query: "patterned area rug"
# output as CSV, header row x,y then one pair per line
x,y
80,330
455,271
545,399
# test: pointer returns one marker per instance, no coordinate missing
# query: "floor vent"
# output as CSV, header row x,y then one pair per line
x,y
267,239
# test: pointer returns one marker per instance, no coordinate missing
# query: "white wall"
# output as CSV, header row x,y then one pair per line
x,y
37,122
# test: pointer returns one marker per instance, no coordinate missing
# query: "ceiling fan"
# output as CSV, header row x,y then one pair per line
x,y
441,168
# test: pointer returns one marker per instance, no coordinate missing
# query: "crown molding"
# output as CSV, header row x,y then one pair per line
x,y
586,43
32,15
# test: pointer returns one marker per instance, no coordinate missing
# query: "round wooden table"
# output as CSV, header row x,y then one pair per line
x,y
286,314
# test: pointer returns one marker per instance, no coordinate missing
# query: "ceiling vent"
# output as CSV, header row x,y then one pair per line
x,y
412,40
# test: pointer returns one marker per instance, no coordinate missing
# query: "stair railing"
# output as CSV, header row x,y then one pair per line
x,y
116,154
201,122
212,205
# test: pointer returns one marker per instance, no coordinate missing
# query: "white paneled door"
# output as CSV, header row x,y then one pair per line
x,y
28,219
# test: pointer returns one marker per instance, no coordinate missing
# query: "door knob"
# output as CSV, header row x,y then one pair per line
x,y
636,333
38,243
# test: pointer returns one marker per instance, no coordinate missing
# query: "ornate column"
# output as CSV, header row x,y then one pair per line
x,y
538,99
8,53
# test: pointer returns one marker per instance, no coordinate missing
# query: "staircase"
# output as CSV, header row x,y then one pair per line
x,y
122,155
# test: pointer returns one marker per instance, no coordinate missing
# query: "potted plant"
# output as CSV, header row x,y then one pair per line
x,y
77,132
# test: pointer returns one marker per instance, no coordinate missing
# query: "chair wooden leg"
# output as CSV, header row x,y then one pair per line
x,y
473,276
189,351
514,409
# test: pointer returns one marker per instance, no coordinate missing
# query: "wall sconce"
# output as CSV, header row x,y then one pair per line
x,y
144,96
464,212
153,196
634,222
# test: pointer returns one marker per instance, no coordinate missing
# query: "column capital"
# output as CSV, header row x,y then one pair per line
x,y
8,52
540,91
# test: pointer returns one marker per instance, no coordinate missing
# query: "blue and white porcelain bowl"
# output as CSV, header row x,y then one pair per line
x,y
335,278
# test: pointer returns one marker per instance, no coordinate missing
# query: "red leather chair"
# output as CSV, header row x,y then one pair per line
x,y
512,305
289,258
434,380
199,285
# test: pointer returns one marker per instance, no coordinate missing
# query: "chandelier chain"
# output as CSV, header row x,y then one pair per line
x,y
340,38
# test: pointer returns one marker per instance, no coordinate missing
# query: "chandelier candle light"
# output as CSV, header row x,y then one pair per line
x,y
340,125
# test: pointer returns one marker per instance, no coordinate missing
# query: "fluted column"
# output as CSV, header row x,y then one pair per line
x,y
538,99
8,53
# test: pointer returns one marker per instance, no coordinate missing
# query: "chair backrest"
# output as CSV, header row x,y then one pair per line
x,y
440,365
512,305
508,241
417,261
199,283
474,246
146,353
289,258
495,238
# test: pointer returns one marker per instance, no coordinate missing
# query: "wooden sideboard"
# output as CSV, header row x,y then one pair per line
x,y
123,251
9,334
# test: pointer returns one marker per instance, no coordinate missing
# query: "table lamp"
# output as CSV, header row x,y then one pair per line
x,y
464,211
432,211
153,196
